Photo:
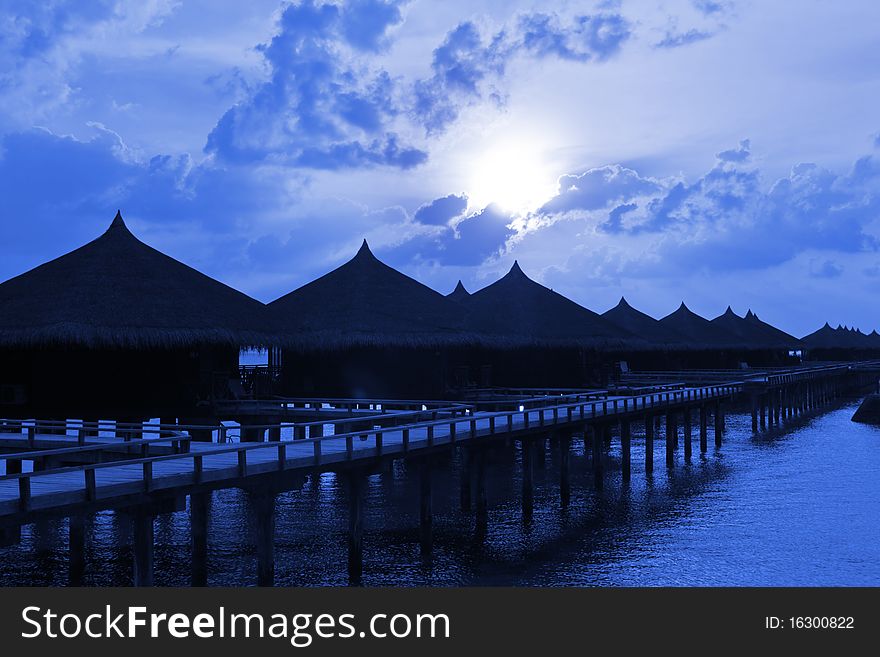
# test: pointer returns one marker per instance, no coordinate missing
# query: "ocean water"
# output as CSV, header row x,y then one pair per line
x,y
798,507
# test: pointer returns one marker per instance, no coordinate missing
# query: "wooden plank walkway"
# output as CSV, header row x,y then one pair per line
x,y
211,465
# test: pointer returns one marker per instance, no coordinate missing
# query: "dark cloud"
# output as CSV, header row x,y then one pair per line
x,y
597,188
318,110
469,242
441,211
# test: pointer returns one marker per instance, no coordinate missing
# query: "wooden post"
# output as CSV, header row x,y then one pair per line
x,y
482,497
688,448
528,494
262,506
719,423
671,434
703,432
754,413
625,447
199,512
13,466
426,514
466,478
564,472
142,526
597,455
649,444
355,526
76,550
275,433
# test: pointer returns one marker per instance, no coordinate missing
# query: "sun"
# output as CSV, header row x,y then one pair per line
x,y
513,175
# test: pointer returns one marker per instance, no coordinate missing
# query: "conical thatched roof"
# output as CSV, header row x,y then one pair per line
x,y
366,302
118,292
824,338
752,332
839,338
517,311
459,293
699,330
642,325
776,336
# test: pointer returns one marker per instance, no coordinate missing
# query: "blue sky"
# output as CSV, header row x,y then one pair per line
x,y
713,151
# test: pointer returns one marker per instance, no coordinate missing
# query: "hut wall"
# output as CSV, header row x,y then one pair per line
x,y
365,372
114,383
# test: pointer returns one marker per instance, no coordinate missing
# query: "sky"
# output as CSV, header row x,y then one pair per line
x,y
717,152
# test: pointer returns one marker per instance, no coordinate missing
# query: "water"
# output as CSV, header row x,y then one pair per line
x,y
792,509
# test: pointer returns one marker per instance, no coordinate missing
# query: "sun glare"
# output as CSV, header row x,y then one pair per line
x,y
514,176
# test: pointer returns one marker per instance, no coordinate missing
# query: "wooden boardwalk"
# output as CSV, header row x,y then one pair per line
x,y
152,469
215,465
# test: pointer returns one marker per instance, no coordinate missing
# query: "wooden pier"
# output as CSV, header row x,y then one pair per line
x,y
148,469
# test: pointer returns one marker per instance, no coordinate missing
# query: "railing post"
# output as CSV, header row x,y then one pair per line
x,y
24,493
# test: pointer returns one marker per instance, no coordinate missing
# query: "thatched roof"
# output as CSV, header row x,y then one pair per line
x,y
118,292
840,338
824,338
700,332
753,332
642,325
517,311
366,302
776,336
459,293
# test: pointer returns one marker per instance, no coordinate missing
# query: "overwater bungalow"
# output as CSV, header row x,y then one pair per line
x,y
532,336
368,330
841,343
760,344
117,329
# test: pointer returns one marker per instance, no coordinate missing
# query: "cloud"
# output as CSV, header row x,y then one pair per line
x,y
441,211
713,7
729,219
825,269
468,64
679,39
321,108
596,188
587,37
41,43
461,240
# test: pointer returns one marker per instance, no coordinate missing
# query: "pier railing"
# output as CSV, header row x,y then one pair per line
x,y
342,447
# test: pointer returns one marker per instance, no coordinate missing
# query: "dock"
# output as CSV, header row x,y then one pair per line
x,y
143,469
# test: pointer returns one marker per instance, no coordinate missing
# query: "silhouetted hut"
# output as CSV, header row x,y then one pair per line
x,y
758,343
533,336
708,345
662,344
642,325
699,331
775,335
365,329
459,293
841,343
117,328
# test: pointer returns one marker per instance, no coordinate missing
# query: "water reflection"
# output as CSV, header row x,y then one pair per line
x,y
792,508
